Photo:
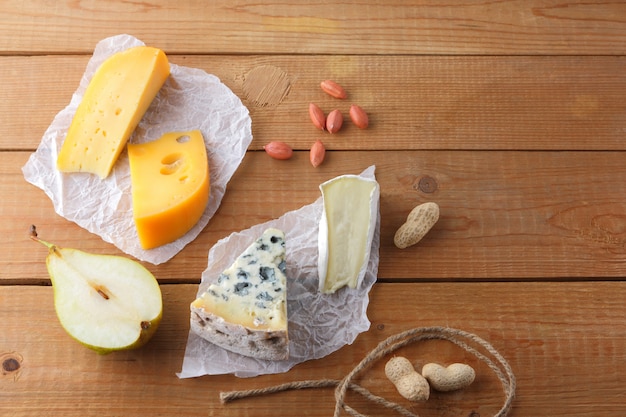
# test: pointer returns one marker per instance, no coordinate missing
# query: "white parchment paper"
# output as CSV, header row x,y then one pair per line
x,y
319,324
190,99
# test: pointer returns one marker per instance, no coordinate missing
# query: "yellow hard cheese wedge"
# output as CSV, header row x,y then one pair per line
x,y
116,99
170,186
346,231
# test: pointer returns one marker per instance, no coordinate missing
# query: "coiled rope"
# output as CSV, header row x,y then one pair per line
x,y
461,338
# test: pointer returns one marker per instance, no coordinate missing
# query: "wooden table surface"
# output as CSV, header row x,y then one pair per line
x,y
511,115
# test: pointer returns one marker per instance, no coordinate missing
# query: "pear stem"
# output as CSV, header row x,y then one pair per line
x,y
100,289
33,235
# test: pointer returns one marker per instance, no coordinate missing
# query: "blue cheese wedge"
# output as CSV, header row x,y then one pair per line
x,y
245,310
346,231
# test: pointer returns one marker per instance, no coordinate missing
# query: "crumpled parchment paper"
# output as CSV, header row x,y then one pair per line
x,y
319,324
190,99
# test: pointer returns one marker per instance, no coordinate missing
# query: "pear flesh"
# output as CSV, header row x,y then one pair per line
x,y
105,302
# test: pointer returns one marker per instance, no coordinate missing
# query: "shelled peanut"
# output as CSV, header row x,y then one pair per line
x,y
333,89
334,121
317,116
278,150
359,117
317,153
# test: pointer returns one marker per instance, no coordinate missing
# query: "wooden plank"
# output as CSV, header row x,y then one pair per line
x,y
512,103
349,27
565,342
504,215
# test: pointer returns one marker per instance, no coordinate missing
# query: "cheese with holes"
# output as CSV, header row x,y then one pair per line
x,y
117,97
245,309
170,186
346,231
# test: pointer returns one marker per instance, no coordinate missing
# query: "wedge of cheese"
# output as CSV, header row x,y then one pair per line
x,y
245,310
115,100
346,231
170,186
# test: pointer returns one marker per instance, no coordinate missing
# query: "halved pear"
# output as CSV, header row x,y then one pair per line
x,y
105,302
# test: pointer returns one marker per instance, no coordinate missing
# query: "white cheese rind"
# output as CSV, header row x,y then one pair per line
x,y
346,230
245,310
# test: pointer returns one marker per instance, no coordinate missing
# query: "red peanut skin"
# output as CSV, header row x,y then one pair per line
x,y
317,154
334,121
359,117
317,116
333,89
278,150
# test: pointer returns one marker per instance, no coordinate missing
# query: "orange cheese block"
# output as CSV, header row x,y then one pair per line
x,y
170,186
115,100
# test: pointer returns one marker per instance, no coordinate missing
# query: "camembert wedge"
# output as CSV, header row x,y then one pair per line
x,y
245,310
346,231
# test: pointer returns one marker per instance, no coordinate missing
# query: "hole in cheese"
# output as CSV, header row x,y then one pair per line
x,y
183,139
172,163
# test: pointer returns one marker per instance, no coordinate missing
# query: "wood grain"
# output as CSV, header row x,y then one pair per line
x,y
509,114
546,339
504,215
414,102
342,27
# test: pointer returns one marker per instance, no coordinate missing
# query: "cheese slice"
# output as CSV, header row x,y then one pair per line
x,y
346,231
245,310
170,186
115,100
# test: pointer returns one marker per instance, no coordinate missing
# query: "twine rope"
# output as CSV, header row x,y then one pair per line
x,y
461,338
